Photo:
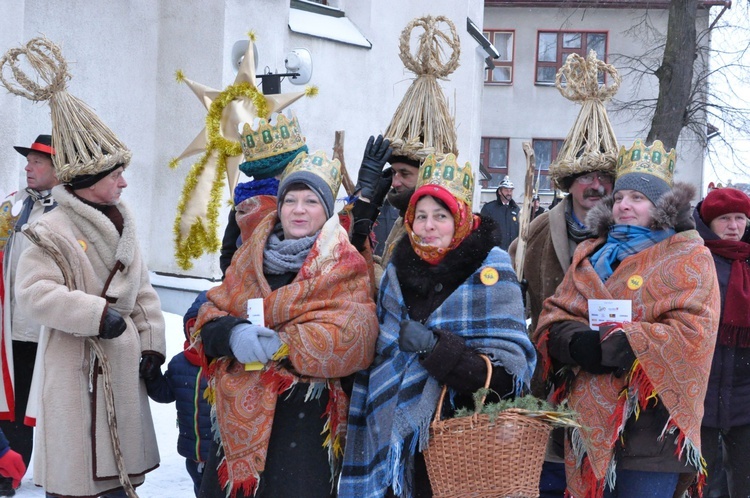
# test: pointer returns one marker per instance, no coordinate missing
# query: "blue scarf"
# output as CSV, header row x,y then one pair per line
x,y
624,241
394,400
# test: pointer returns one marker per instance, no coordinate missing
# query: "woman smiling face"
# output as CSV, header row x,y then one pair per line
x,y
632,208
302,214
433,223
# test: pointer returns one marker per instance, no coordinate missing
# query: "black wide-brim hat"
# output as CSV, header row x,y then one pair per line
x,y
42,144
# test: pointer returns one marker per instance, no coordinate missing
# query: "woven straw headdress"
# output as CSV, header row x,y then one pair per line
x,y
422,124
591,144
84,144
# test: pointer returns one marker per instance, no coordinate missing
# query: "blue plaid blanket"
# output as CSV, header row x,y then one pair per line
x,y
394,400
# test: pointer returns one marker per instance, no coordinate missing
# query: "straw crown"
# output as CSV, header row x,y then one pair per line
x,y
422,124
84,145
591,144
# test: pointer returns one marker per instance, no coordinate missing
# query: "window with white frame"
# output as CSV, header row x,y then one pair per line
x,y
503,41
493,161
554,47
545,151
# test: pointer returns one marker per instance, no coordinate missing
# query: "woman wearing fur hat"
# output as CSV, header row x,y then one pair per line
x,y
638,382
721,219
437,313
276,386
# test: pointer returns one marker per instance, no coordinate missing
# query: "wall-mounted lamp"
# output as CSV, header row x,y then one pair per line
x,y
298,64
484,43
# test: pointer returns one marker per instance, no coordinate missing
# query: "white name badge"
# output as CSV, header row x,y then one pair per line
x,y
255,311
609,310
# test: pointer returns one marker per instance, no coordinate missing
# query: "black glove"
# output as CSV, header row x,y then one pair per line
x,y
377,153
416,338
383,187
150,367
616,350
586,350
113,324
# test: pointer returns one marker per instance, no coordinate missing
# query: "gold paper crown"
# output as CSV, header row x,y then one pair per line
x,y
319,165
271,139
652,160
445,172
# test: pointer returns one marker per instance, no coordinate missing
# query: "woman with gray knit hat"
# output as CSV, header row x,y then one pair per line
x,y
629,333
721,219
276,382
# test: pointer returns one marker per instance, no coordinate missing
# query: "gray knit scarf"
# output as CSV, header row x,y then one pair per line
x,y
281,256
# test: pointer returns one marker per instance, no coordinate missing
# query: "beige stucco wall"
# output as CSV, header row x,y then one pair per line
x,y
123,56
524,111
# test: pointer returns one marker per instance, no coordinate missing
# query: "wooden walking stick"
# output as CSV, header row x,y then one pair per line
x,y
338,153
523,232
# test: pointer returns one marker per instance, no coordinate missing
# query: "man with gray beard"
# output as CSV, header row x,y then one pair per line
x,y
553,238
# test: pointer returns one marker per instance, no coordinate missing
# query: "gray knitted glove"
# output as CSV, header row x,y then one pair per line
x,y
251,343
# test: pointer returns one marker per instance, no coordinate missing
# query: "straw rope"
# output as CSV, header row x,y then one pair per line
x,y
84,145
591,144
93,342
422,124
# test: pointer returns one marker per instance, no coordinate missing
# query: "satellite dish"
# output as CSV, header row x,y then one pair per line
x,y
238,53
299,61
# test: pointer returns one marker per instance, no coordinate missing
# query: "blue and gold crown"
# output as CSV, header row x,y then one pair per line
x,y
271,138
652,160
445,172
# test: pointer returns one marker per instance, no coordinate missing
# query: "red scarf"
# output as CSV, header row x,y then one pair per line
x,y
734,329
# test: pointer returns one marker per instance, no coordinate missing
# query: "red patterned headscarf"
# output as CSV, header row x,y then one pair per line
x,y
464,221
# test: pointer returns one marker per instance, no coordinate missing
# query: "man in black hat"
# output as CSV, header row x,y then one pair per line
x,y
20,353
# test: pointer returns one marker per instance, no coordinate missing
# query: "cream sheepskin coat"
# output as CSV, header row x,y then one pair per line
x,y
60,282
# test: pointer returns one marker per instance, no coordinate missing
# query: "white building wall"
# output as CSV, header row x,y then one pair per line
x,y
524,111
123,56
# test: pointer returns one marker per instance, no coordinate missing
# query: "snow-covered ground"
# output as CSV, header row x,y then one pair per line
x,y
170,480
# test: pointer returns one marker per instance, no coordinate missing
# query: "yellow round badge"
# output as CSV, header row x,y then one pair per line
x,y
489,276
83,244
635,282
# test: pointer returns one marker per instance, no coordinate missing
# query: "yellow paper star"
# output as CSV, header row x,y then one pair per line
x,y
197,224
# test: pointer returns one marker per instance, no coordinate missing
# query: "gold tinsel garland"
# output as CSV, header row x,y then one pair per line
x,y
202,239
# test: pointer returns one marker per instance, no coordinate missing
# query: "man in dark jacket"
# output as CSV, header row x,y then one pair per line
x,y
504,211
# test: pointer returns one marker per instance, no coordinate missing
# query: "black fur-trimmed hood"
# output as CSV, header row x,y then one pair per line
x,y
455,268
672,210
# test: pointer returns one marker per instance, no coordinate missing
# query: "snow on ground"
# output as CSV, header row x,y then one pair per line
x,y
170,480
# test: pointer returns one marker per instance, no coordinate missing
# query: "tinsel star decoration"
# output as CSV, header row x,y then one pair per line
x,y
197,223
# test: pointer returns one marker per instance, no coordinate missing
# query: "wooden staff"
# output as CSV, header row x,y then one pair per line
x,y
338,153
523,231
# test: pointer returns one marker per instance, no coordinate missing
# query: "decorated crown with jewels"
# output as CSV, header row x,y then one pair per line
x,y
319,165
271,138
445,172
652,160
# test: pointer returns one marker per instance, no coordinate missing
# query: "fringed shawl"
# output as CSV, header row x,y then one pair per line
x,y
325,316
394,401
675,298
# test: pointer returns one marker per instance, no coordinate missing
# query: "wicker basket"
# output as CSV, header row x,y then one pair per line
x,y
471,456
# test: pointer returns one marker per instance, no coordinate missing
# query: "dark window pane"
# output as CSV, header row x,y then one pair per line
x,y
543,153
596,42
502,74
546,74
544,183
498,153
504,44
547,47
571,40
